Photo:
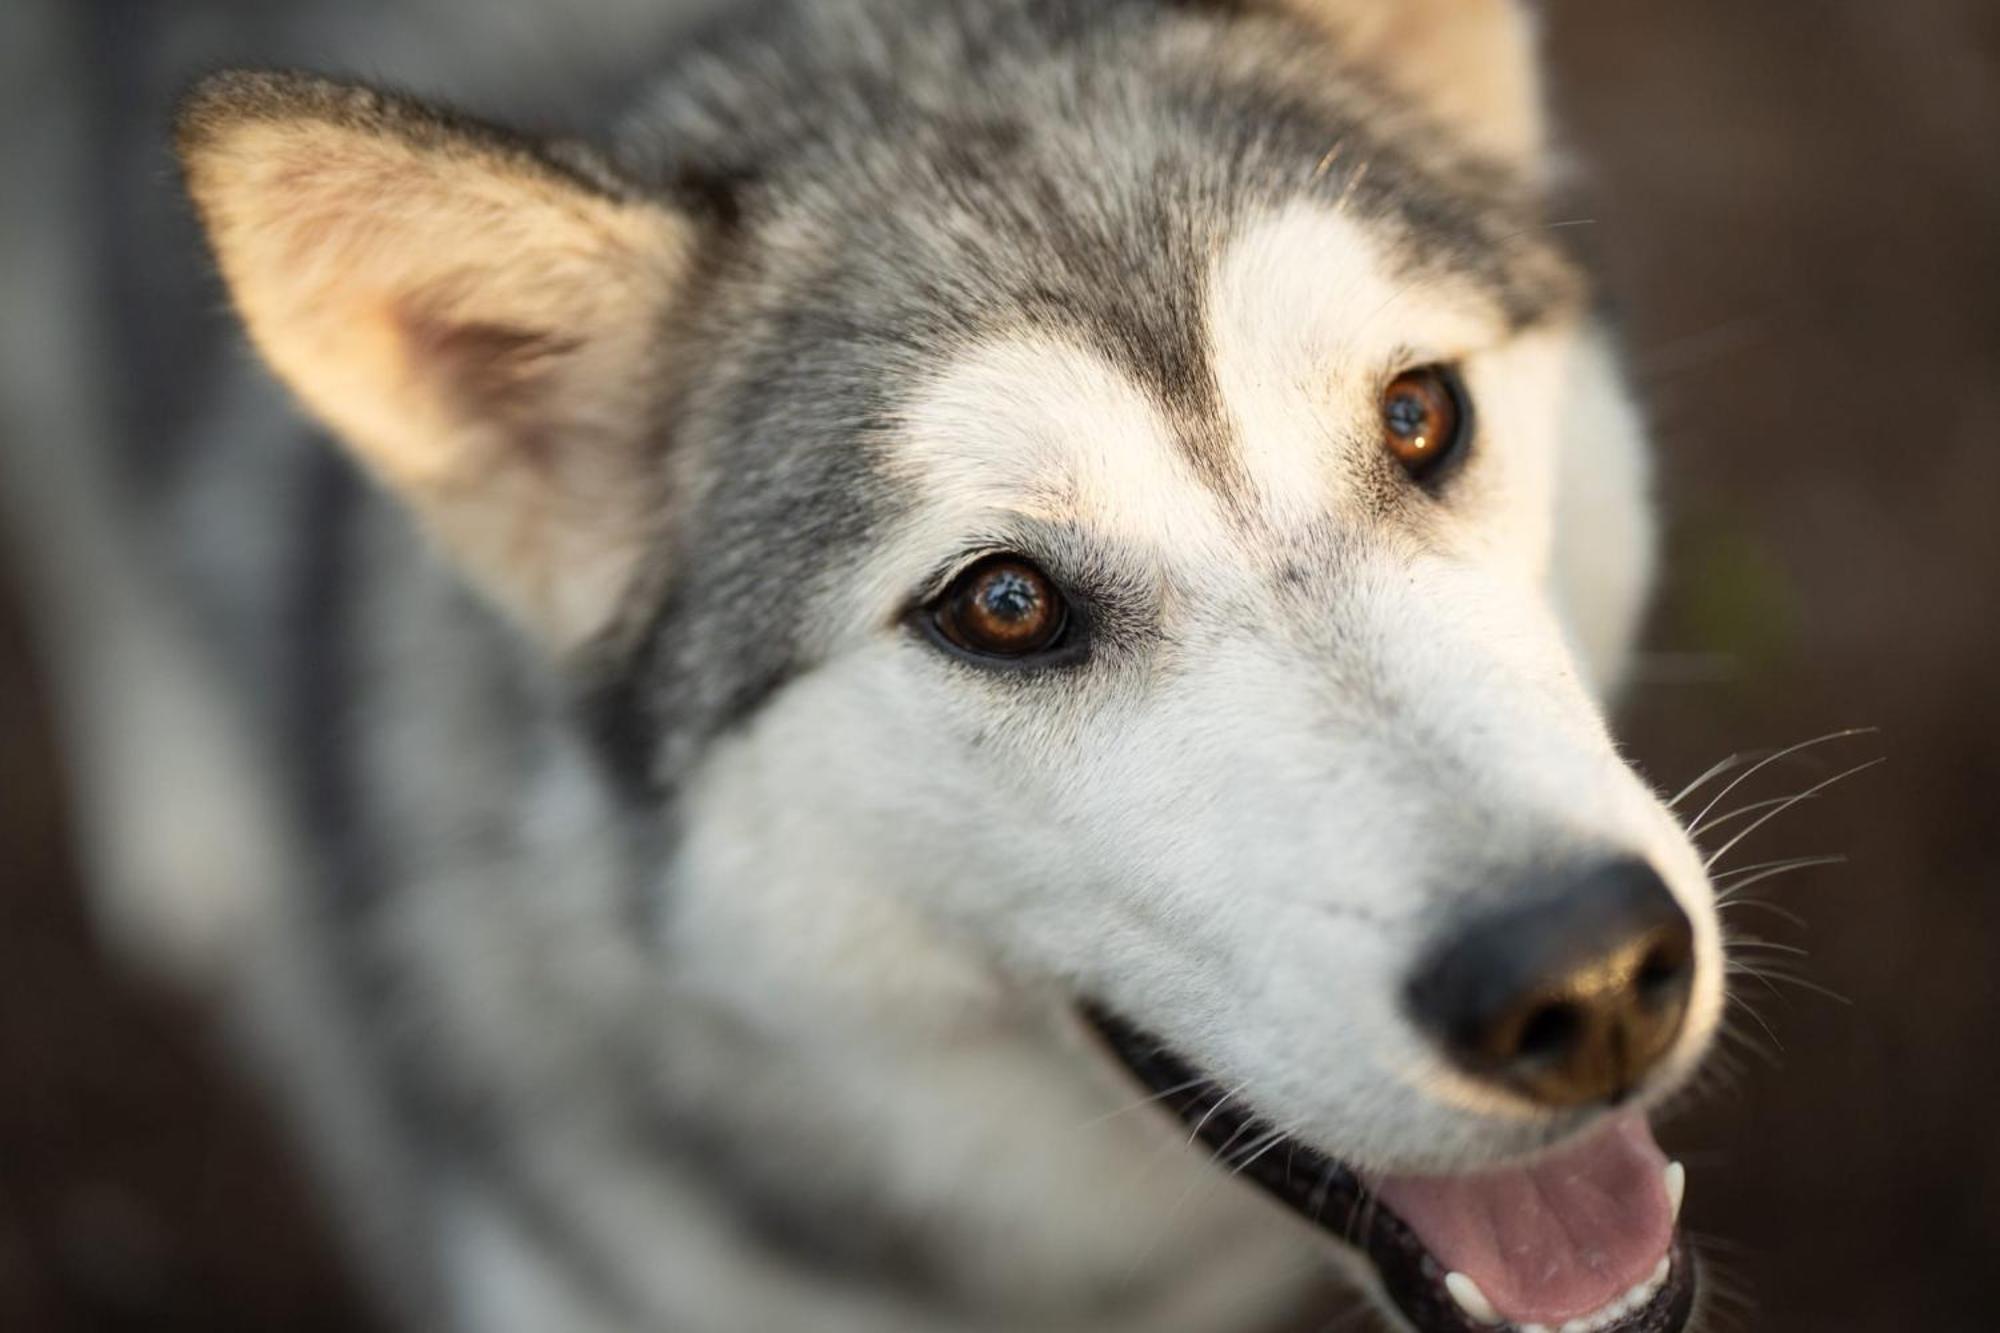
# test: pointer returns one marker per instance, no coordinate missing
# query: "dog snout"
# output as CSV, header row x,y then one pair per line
x,y
1569,999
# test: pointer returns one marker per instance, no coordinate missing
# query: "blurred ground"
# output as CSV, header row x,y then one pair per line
x,y
1797,203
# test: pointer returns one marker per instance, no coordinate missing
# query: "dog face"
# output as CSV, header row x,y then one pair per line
x,y
1296,713
1123,510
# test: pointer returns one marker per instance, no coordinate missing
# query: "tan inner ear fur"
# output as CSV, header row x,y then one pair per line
x,y
1470,64
476,323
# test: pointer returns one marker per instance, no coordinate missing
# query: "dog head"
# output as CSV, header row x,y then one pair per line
x,y
1133,498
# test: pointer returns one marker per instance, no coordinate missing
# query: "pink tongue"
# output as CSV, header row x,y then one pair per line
x,y
1554,1240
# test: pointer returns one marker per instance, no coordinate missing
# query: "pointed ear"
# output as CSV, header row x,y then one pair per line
x,y
1470,64
478,318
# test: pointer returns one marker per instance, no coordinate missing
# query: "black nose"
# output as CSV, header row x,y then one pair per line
x,y
1570,998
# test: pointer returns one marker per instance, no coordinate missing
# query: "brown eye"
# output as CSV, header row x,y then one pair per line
x,y
1424,420
1002,607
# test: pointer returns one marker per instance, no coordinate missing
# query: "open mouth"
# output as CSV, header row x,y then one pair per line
x,y
1583,1240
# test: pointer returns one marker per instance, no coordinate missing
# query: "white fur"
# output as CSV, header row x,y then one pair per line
x,y
1308,323
1245,844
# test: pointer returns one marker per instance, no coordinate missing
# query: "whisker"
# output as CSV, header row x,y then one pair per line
x,y
1750,809
1317,1204
1198,1180
1736,969
1722,1072
1771,946
1805,983
1723,1244
1724,1304
1209,1114
1744,1006
1268,1142
1807,794
1746,1045
1768,974
1361,1215
1730,904
1223,1151
1143,1102
1765,869
1770,759
1713,772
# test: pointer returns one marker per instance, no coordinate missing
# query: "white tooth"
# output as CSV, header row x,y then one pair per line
x,y
1575,1326
1470,1298
1535,1328
1661,1269
1677,1187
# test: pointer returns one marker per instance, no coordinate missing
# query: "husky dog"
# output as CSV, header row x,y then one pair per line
x,y
964,692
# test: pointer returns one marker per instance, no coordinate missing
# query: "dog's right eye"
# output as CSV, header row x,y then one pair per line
x,y
1004,608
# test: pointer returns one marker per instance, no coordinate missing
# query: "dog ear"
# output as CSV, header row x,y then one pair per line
x,y
479,318
1471,64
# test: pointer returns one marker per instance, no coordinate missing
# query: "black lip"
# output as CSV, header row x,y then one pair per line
x,y
1331,1196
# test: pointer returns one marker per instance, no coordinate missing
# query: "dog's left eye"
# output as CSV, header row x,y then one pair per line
x,y
1003,607
1426,421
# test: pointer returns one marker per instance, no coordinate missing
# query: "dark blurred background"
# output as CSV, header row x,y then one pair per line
x,y
1797,206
